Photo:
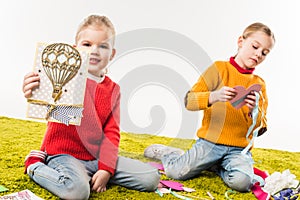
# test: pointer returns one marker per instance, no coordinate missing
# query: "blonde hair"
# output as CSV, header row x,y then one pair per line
x,y
97,21
252,28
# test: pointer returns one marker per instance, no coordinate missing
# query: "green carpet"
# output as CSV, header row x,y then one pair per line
x,y
18,137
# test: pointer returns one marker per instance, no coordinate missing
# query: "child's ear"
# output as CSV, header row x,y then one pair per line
x,y
113,53
240,41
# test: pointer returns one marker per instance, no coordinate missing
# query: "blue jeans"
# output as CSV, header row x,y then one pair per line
x,y
68,177
236,169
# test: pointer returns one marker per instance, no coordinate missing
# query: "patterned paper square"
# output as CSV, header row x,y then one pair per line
x,y
72,92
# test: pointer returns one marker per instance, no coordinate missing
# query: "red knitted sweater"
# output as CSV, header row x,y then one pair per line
x,y
98,135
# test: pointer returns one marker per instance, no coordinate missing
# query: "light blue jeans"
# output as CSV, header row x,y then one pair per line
x,y
68,177
236,169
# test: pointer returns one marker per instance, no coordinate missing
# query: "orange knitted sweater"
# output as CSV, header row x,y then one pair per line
x,y
222,123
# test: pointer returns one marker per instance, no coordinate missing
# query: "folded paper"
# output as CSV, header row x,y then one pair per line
x,y
238,100
172,184
22,195
62,70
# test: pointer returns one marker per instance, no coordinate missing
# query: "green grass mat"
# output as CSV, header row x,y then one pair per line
x,y
18,137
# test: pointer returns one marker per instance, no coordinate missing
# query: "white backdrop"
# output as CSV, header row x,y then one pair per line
x,y
213,25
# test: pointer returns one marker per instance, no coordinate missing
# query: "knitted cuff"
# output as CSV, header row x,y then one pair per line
x,y
33,157
197,100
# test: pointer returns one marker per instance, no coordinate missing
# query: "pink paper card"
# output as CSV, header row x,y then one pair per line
x,y
238,100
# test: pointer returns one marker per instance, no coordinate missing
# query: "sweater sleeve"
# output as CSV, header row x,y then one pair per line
x,y
110,142
197,98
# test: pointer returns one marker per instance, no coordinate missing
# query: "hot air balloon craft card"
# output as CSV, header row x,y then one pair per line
x,y
60,95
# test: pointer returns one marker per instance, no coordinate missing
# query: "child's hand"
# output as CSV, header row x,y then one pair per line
x,y
99,180
224,94
31,80
250,100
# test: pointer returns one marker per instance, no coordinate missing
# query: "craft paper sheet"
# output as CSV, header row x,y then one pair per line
x,y
72,92
22,195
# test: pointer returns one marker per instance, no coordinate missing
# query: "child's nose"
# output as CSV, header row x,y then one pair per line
x,y
258,53
95,50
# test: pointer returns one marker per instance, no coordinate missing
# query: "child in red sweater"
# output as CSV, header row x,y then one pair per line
x,y
223,142
74,159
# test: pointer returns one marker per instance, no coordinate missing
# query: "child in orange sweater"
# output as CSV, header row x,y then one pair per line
x,y
223,134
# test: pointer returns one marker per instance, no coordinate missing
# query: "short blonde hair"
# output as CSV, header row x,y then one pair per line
x,y
258,27
97,21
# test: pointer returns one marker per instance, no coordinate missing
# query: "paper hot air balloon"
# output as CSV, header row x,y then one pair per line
x,y
61,63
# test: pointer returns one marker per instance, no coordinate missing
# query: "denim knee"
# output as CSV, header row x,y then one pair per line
x,y
149,182
174,174
182,173
75,190
239,181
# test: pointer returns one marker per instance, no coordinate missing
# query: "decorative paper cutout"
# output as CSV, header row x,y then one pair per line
x,y
61,63
22,195
158,166
169,184
55,99
259,193
257,188
162,191
3,189
238,100
172,184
